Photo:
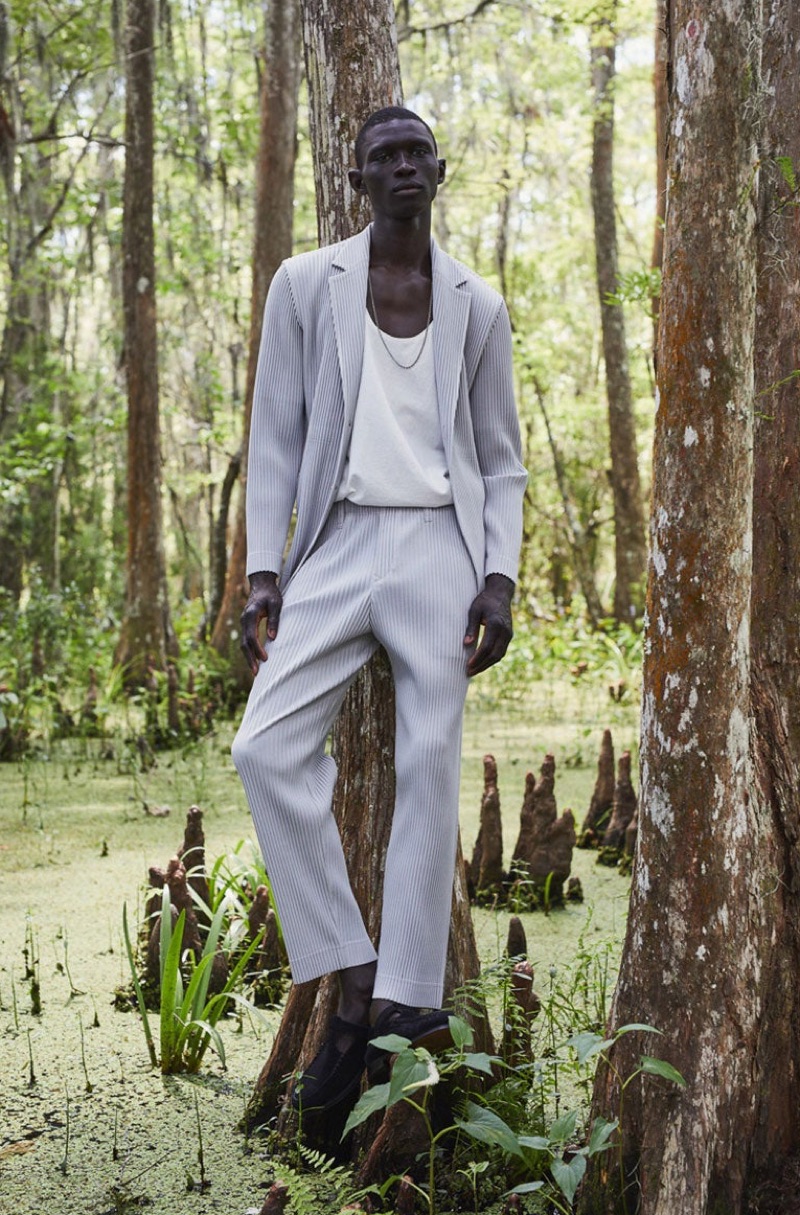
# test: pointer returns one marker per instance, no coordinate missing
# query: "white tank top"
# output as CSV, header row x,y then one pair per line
x,y
396,455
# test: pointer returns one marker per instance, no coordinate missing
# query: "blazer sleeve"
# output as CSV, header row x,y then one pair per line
x,y
497,442
277,429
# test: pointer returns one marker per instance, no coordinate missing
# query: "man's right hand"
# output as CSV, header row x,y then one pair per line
x,y
264,603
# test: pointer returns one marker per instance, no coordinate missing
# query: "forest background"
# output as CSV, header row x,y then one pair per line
x,y
508,89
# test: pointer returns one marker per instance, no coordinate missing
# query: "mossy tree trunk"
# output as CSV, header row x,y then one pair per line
x,y
146,636
713,945
630,550
272,242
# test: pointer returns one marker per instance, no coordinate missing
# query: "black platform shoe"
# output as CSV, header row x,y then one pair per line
x,y
334,1074
428,1029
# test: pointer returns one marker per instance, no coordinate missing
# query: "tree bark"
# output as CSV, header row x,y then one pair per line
x,y
775,621
630,550
661,99
272,242
692,961
146,637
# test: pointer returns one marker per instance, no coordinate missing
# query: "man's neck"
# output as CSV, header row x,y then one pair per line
x,y
401,244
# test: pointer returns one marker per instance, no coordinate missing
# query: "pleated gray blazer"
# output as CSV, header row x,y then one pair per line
x,y
307,382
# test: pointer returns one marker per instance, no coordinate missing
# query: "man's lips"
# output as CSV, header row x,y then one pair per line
x,y
407,187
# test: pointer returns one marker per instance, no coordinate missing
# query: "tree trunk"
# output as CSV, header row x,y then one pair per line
x,y
630,550
146,636
272,242
775,621
692,962
353,69
661,99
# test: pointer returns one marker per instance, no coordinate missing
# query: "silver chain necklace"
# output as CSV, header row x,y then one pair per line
x,y
397,363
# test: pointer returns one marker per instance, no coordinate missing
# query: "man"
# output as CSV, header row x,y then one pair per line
x,y
384,413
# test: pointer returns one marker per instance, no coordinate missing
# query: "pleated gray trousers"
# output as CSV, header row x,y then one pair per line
x,y
401,578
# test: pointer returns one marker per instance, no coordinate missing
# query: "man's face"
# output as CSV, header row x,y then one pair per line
x,y
400,171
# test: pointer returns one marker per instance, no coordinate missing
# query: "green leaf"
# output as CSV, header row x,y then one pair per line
x,y
171,996
413,1069
568,1174
370,1102
660,1067
602,1130
588,1044
527,1187
480,1062
461,1033
391,1042
485,1126
204,1034
564,1127
537,1143
137,987
637,1027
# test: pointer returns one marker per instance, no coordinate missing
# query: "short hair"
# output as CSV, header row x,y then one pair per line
x,y
387,114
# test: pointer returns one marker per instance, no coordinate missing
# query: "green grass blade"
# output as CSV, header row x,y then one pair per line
x,y
171,997
165,935
137,987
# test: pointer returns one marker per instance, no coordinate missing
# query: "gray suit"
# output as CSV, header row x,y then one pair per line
x,y
305,398
357,577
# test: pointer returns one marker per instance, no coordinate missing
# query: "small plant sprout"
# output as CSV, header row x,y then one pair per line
x,y
64,1165
204,1183
31,1071
89,1085
30,953
472,1172
73,990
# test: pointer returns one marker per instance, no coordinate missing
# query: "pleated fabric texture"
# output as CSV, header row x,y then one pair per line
x,y
402,578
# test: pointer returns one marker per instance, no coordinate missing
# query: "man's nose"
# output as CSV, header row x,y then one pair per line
x,y
405,164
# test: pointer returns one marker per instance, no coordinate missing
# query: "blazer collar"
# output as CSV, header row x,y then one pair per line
x,y
451,302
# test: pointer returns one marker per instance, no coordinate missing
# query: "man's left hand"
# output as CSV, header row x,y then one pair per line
x,y
492,610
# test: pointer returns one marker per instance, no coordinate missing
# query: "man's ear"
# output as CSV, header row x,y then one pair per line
x,y
442,170
356,179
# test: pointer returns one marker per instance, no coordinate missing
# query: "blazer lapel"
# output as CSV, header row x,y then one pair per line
x,y
347,287
451,304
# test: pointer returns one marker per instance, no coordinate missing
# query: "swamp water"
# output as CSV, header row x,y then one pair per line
x,y
86,1125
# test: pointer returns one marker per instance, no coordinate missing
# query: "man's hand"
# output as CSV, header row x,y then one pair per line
x,y
265,603
492,609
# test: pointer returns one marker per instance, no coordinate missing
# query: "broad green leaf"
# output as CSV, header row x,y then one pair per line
x,y
391,1042
485,1126
537,1143
527,1187
601,1133
461,1033
588,1044
660,1067
480,1062
412,1070
564,1127
567,1175
370,1102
